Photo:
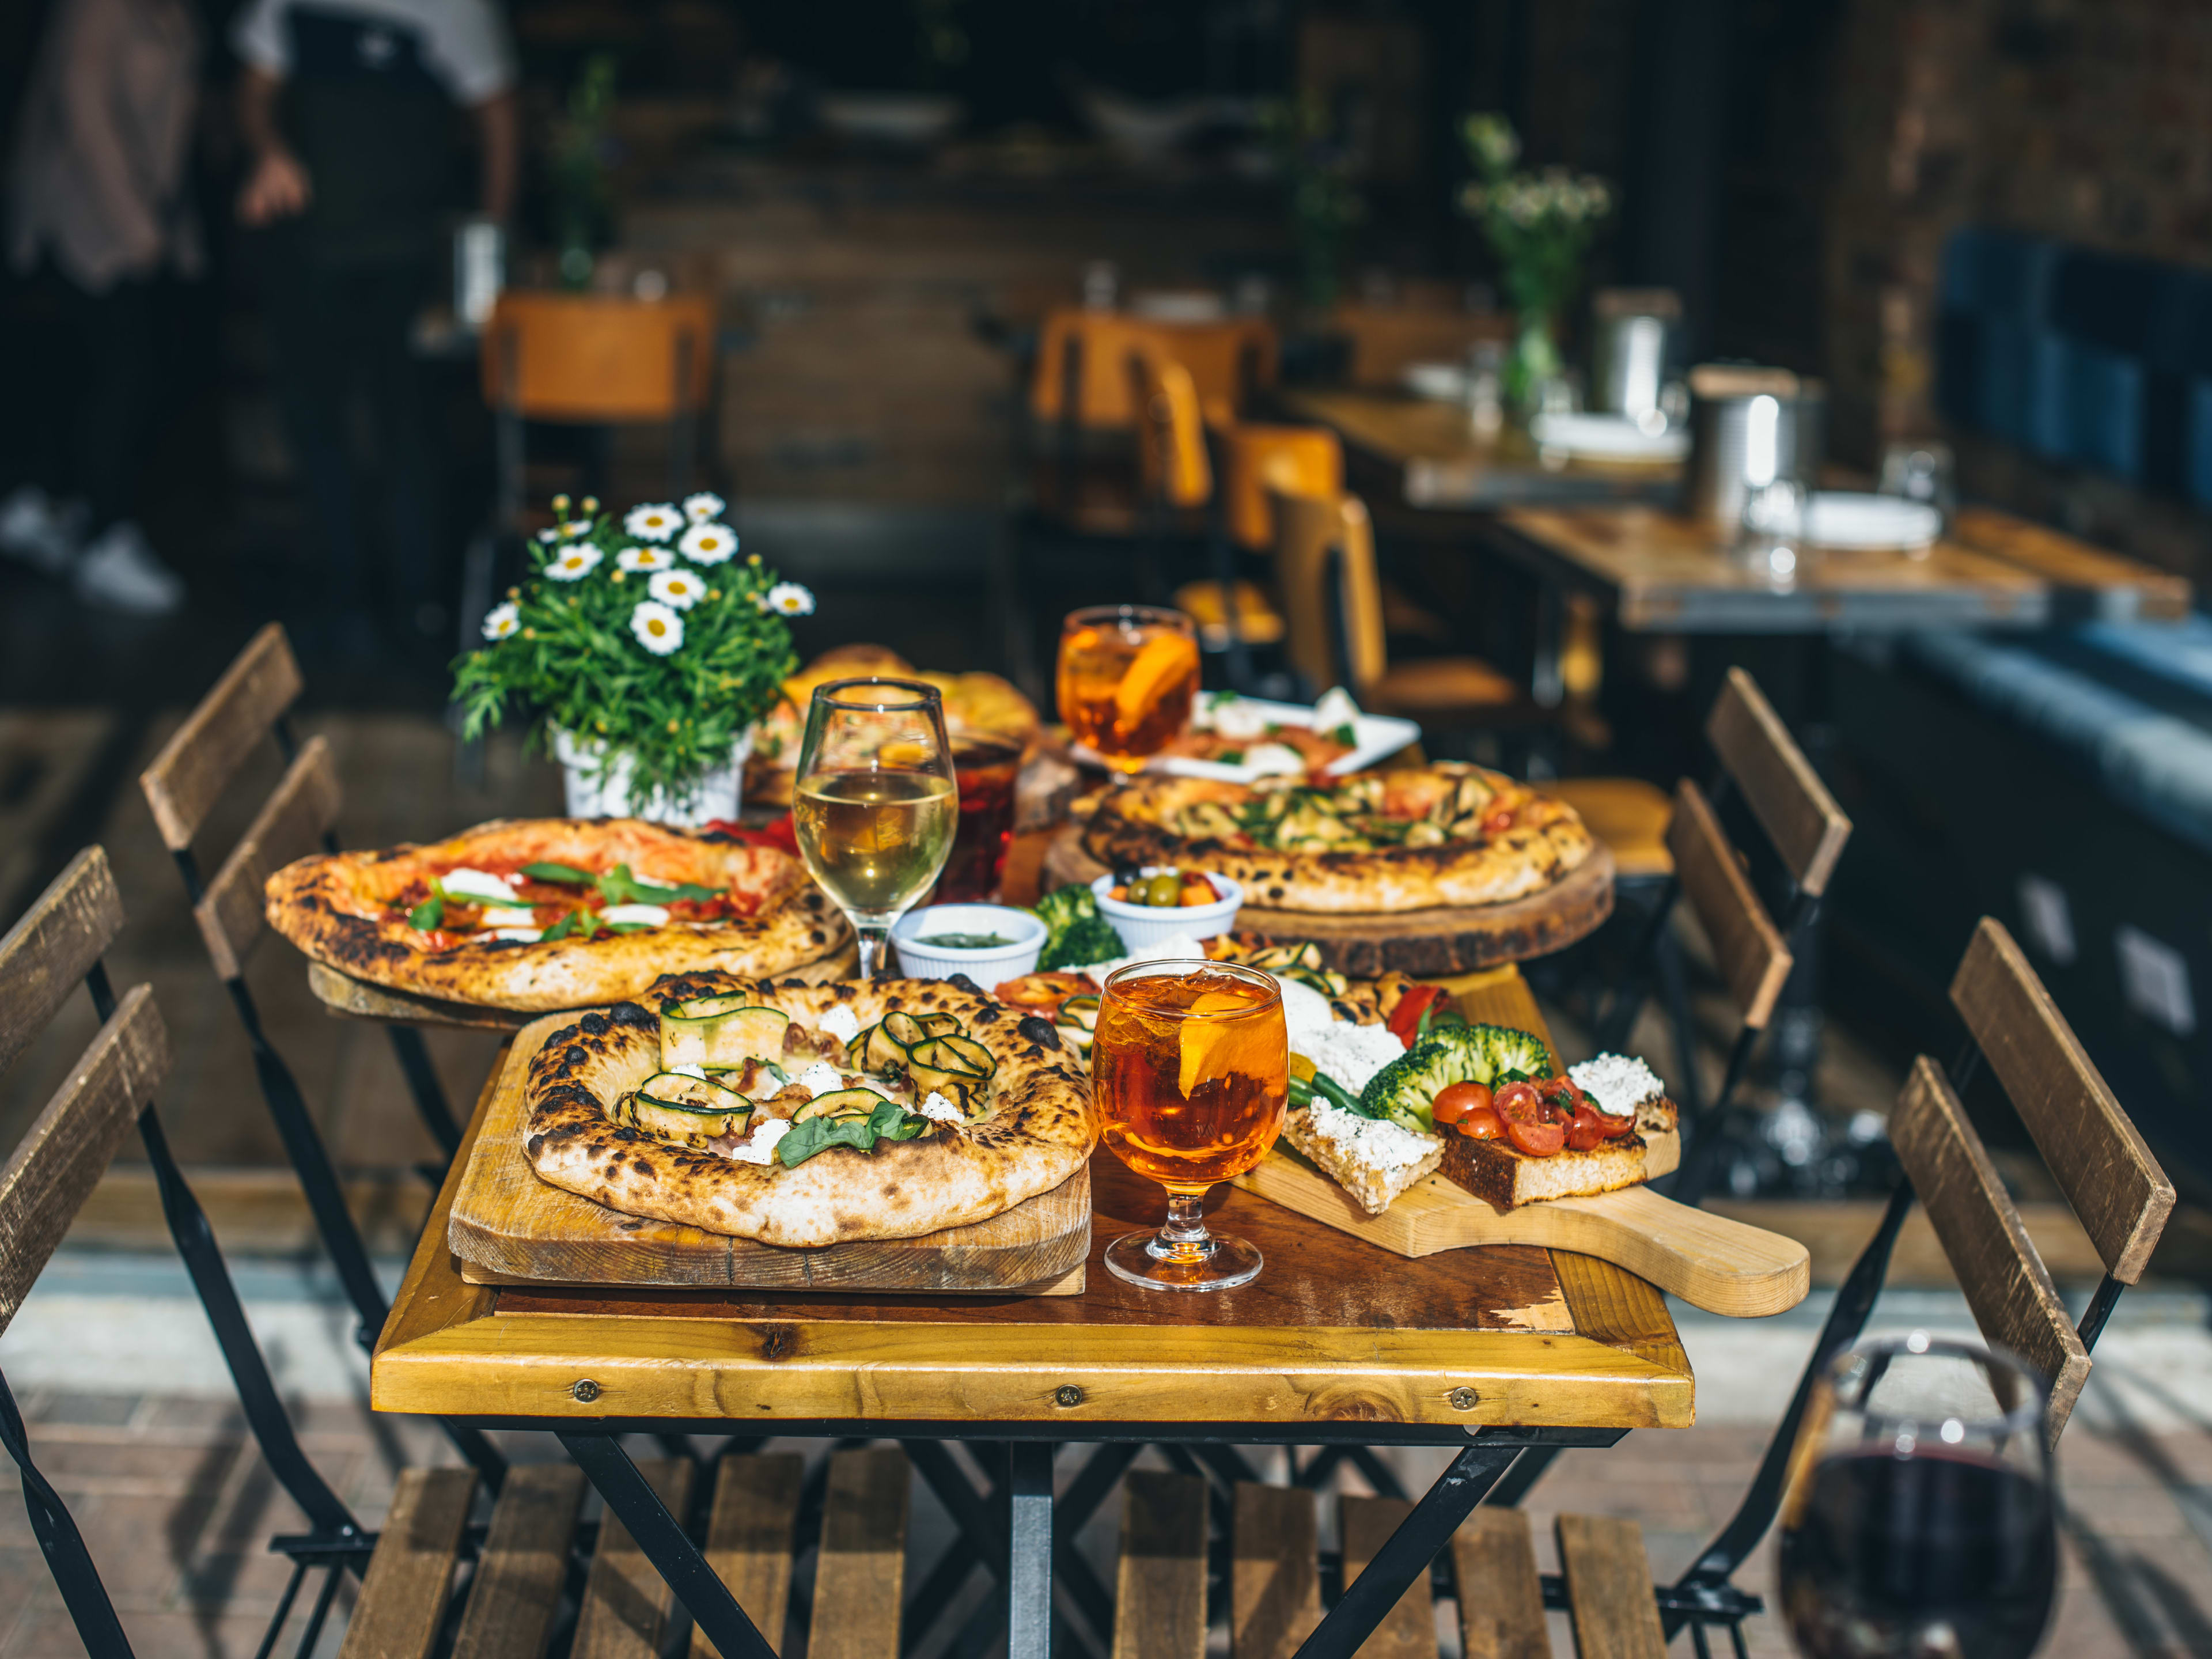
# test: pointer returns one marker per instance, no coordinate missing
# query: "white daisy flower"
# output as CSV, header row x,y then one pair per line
x,y
704,506
574,528
708,544
646,558
790,600
548,535
659,629
574,563
501,620
678,588
655,522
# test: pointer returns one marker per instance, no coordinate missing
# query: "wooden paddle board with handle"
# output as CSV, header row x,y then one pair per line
x,y
508,1227
1721,1266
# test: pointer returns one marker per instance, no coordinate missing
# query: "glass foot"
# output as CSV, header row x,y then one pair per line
x,y
1208,1263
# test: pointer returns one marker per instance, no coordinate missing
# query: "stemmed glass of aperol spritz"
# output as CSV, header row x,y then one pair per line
x,y
1128,675
1191,1068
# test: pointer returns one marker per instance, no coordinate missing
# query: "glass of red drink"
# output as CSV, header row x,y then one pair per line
x,y
987,769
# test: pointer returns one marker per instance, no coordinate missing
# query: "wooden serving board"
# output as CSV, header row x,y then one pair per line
x,y
1721,1266
1425,943
509,1227
343,994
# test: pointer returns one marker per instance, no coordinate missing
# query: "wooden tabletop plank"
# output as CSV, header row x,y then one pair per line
x,y
2114,588
1662,571
1427,454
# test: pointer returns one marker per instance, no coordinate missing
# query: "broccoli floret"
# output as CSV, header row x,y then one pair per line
x,y
1511,1053
1405,1090
1076,935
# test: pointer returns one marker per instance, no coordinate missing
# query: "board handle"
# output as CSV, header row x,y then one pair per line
x,y
1711,1262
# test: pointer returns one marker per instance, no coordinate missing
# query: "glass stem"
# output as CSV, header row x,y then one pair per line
x,y
1183,1234
871,941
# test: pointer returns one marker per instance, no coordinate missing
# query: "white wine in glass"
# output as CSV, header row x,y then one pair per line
x,y
875,805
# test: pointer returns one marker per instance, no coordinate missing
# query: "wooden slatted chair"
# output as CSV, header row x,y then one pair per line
x,y
1760,764
251,704
2117,1191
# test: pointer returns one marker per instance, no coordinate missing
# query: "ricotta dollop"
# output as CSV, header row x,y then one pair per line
x,y
936,1108
1375,1142
1617,1084
841,1023
480,886
759,1147
820,1078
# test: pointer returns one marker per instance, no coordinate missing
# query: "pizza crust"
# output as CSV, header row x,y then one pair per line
x,y
1546,841
336,907
1041,1131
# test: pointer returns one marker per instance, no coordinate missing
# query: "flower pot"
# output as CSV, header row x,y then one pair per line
x,y
592,793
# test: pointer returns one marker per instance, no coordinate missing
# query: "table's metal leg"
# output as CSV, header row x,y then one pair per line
x,y
1029,1551
1408,1554
1546,683
713,1610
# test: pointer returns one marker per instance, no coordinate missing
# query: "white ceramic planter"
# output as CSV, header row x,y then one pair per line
x,y
592,794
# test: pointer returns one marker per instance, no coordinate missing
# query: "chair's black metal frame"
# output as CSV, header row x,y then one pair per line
x,y
336,1543
311,1159
1017,1518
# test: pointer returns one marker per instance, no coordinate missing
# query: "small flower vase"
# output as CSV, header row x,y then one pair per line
x,y
1533,363
594,792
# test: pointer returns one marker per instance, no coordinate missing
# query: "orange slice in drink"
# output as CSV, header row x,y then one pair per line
x,y
1165,659
1214,1049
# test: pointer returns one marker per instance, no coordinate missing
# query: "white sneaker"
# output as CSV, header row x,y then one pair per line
x,y
119,570
39,531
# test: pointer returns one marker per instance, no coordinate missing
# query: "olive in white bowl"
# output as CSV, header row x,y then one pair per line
x,y
1162,900
989,943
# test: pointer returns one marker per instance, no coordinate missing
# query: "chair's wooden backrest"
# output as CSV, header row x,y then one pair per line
x,y
1384,341
204,755
598,358
1079,375
1306,459
1753,958
1779,785
2118,1192
1975,1220
198,763
43,959
1332,596
1172,467
2099,1160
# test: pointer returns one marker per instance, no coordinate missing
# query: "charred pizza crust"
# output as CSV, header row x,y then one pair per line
x,y
1545,841
1041,1129
337,908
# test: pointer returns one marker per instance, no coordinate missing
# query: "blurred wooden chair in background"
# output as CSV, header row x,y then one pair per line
x,y
1080,378
597,359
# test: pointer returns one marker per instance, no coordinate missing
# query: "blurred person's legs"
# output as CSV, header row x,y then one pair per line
x,y
84,449
342,336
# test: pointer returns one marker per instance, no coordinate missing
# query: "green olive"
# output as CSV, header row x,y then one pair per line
x,y
1164,889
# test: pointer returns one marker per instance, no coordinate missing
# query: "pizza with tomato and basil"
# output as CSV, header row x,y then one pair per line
x,y
544,913
1420,838
1379,1106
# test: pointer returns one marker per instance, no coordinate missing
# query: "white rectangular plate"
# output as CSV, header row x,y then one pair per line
x,y
1375,736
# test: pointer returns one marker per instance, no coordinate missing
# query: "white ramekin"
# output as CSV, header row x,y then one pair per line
x,y
987,967
1142,925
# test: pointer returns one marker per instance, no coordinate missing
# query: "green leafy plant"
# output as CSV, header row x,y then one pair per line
x,y
646,639
1539,224
1320,173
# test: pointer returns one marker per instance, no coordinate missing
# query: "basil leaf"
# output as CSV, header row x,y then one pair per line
x,y
576,921
631,926
560,872
428,914
619,886
888,1121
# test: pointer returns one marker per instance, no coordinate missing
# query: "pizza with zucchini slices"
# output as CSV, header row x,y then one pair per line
x,y
808,1114
1418,838
545,914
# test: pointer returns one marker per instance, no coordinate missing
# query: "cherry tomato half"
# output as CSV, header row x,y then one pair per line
x,y
1456,1102
1592,1128
1528,1123
1481,1123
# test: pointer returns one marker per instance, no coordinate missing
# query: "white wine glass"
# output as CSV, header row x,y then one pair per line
x,y
875,804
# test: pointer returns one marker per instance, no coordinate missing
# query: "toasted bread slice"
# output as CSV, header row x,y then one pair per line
x,y
1494,1171
1372,1186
